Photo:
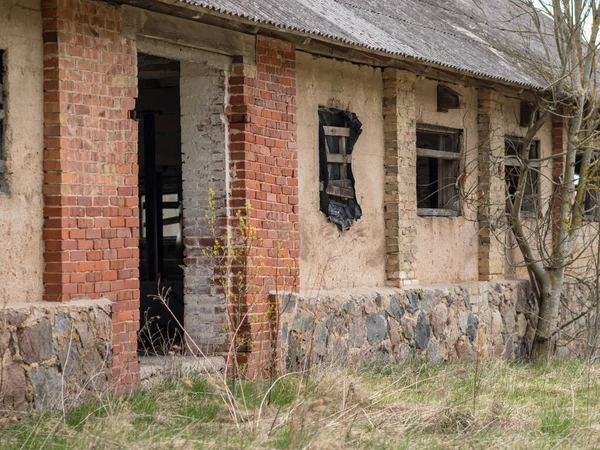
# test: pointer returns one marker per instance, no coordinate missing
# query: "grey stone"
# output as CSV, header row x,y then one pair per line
x,y
404,353
462,322
472,325
62,324
288,303
16,318
408,327
320,339
296,356
84,332
422,331
35,343
466,296
369,306
284,332
428,299
496,327
303,321
439,318
70,360
103,326
357,332
14,388
4,341
346,307
377,328
433,352
329,322
95,369
378,300
412,302
395,337
464,350
395,309
47,387
509,349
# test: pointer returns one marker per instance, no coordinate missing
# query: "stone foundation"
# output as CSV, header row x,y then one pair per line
x,y
383,324
52,353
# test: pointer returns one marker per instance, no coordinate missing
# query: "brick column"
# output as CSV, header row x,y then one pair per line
x,y
90,167
400,198
491,184
264,174
559,149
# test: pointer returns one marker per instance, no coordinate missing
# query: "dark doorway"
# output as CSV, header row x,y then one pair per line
x,y
160,193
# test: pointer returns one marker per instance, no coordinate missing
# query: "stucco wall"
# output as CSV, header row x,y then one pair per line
x,y
514,267
21,246
330,258
447,246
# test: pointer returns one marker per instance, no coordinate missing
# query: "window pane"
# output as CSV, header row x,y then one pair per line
x,y
448,143
427,182
428,140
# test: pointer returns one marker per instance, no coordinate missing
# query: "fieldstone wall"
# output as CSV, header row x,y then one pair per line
x,y
52,353
383,324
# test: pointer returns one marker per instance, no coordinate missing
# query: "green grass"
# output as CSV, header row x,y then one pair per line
x,y
416,405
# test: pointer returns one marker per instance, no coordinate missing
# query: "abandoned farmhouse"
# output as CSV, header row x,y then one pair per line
x,y
135,134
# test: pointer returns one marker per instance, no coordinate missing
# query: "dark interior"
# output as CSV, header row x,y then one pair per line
x,y
160,193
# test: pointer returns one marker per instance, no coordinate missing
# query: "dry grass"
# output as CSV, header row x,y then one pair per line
x,y
508,405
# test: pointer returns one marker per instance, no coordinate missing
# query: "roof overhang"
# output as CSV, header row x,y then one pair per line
x,y
331,48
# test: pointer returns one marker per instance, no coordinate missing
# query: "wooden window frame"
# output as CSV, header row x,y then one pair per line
x,y
443,155
513,161
342,187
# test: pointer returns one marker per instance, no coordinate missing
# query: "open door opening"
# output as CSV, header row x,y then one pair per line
x,y
160,195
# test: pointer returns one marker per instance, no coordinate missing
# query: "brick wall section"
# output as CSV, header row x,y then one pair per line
x,y
90,167
400,197
491,184
204,149
559,148
264,169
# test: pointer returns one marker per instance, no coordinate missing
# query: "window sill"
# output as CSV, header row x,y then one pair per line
x,y
434,212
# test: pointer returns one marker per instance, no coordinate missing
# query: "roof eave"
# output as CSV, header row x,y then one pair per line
x,y
334,48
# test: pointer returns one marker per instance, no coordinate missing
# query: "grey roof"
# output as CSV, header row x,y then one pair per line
x,y
478,37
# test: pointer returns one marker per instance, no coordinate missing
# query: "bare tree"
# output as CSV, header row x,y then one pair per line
x,y
560,41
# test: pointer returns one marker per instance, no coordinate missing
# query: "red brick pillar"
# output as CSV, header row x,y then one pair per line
x,y
264,168
90,167
559,148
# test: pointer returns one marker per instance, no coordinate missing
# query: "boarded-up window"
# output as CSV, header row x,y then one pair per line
x,y
438,168
338,132
3,185
513,149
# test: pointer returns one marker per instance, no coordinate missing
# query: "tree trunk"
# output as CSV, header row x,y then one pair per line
x,y
543,345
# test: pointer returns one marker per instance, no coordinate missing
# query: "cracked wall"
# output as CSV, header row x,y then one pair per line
x,y
21,209
330,258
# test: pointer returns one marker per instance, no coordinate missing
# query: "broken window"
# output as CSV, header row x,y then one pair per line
x,y
513,148
438,168
591,197
526,113
2,124
447,98
338,132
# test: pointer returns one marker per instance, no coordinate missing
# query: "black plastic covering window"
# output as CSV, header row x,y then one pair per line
x,y
341,211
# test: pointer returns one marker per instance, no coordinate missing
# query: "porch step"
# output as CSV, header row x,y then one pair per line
x,y
154,369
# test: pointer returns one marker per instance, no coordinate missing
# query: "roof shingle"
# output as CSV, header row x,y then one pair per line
x,y
479,37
